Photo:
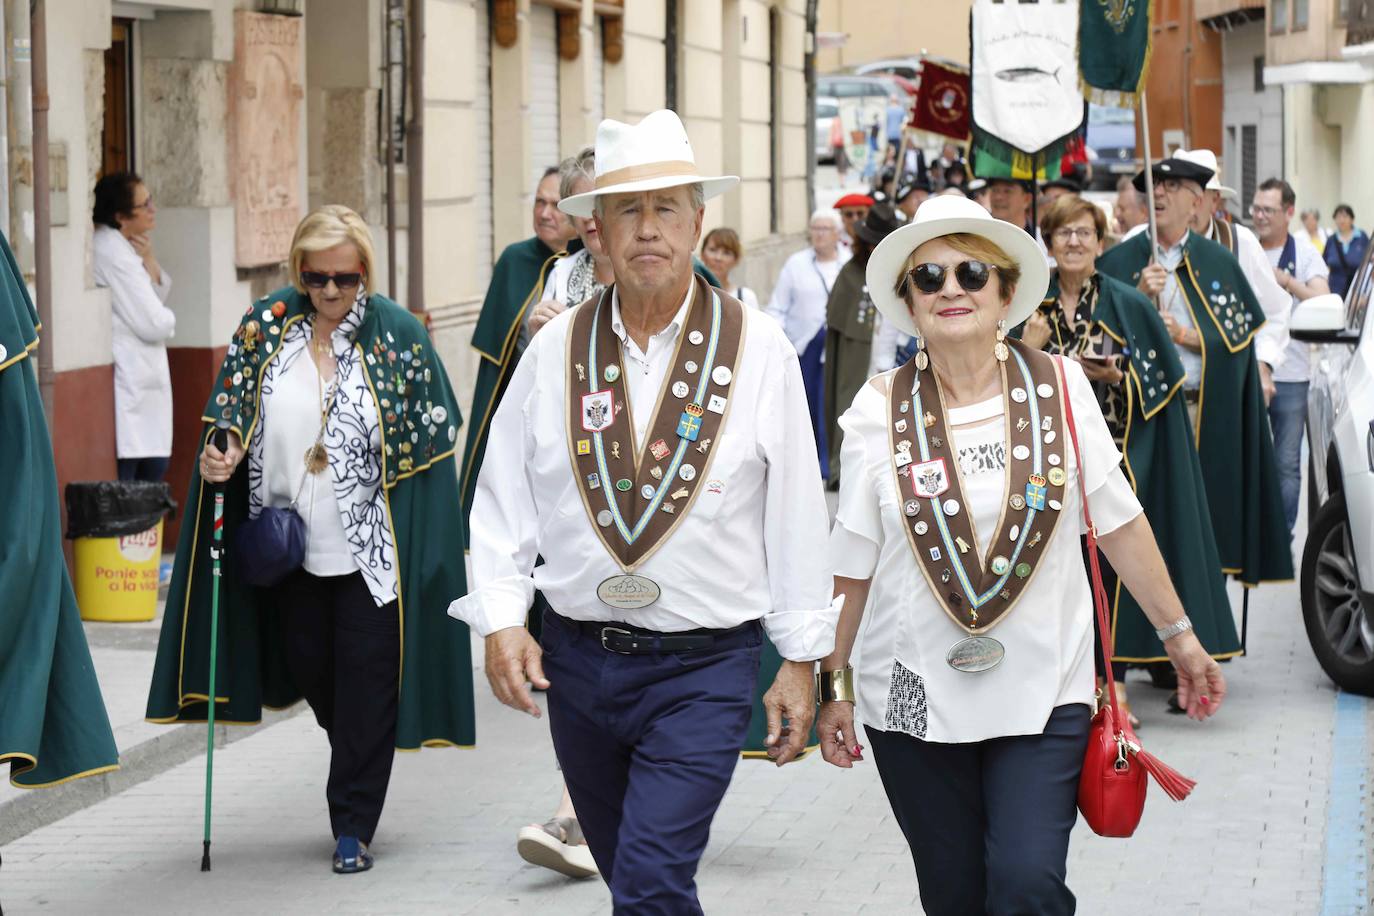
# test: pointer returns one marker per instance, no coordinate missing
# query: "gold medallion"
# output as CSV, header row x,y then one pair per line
x,y
316,458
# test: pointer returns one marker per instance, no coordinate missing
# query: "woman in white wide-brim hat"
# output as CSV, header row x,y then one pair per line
x,y
958,527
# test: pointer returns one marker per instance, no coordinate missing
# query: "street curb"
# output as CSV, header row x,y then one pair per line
x,y
37,808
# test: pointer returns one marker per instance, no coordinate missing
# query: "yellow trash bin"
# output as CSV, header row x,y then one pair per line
x,y
117,578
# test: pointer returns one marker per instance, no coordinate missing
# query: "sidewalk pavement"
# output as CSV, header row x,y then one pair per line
x,y
807,838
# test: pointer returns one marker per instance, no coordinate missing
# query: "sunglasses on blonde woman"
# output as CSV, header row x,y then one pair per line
x,y
930,278
318,280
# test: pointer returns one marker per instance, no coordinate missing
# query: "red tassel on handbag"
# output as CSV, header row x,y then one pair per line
x,y
1111,789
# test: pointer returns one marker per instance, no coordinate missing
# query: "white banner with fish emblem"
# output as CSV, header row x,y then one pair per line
x,y
1025,71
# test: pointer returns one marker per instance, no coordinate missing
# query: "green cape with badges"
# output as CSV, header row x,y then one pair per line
x,y
848,348
53,725
517,283
1234,444
420,422
1163,469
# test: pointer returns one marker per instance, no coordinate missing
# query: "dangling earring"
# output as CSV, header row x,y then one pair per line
x,y
922,360
999,349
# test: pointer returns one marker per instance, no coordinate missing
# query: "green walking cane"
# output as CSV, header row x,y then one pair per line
x,y
220,439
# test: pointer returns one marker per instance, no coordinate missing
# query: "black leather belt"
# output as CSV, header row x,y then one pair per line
x,y
1191,395
626,640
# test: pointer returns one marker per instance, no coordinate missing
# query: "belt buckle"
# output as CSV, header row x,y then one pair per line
x,y
614,631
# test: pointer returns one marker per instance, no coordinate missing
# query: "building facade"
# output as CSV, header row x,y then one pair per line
x,y
860,31
241,120
1320,54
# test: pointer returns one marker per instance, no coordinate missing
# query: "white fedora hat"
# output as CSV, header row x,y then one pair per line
x,y
1208,159
653,154
944,215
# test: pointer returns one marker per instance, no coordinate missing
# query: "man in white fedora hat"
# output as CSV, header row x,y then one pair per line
x,y
656,452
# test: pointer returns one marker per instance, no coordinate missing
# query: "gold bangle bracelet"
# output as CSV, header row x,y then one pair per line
x,y
835,686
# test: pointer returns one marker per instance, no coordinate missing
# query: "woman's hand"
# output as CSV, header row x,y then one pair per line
x,y
1035,333
1201,686
545,312
217,466
1102,370
835,728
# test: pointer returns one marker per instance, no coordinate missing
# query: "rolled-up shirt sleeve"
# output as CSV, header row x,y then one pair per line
x,y
802,621
1271,340
857,535
504,521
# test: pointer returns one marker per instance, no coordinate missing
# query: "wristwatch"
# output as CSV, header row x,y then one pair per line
x,y
1182,625
832,686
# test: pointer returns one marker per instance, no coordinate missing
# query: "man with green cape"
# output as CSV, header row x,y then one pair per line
x,y
1213,317
53,725
502,332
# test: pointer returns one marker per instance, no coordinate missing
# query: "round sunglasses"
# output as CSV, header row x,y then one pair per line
x,y
930,278
315,279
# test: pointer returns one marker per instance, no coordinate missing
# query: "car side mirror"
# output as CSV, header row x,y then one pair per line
x,y
1320,319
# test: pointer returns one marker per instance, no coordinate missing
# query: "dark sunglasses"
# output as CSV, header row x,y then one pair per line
x,y
930,278
317,280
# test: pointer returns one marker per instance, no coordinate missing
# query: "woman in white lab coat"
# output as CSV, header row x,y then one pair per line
x,y
141,324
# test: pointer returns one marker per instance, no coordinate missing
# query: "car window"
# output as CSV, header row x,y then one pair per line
x,y
827,109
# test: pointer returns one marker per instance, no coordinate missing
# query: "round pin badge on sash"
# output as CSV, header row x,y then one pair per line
x,y
975,654
687,472
722,375
911,507
1018,395
680,389
1044,390
603,518
628,593
691,366
612,373
1020,453
696,338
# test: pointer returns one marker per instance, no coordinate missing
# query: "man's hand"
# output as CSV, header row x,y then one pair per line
x,y
544,312
1152,280
1184,337
1036,331
835,726
792,696
513,658
1267,383
1284,278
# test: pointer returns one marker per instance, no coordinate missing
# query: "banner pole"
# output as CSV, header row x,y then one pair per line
x,y
1149,174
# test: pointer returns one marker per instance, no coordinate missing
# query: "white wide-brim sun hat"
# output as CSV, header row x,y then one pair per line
x,y
648,156
946,215
1208,160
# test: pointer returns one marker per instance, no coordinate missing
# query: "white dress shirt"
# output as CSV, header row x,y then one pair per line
x,y
904,683
803,289
752,546
139,330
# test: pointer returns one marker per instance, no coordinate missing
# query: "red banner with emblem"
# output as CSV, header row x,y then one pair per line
x,y
942,102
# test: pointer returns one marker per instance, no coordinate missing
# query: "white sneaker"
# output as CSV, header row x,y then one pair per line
x,y
557,845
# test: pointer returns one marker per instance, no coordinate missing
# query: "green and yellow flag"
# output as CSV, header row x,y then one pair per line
x,y
1114,50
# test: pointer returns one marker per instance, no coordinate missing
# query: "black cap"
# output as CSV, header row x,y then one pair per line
x,y
911,184
1024,184
1068,184
882,220
1176,168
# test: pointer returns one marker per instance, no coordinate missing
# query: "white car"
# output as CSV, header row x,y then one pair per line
x,y
1337,578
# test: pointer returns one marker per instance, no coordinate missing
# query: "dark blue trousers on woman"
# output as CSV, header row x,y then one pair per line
x,y
988,823
648,744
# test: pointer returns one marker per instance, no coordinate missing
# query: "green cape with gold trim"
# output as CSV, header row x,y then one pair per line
x,y
517,283
53,725
1163,469
1234,444
420,422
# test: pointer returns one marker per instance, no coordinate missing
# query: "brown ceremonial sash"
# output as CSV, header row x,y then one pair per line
x,y
946,548
612,469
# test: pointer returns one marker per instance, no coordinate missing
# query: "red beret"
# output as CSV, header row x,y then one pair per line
x,y
854,200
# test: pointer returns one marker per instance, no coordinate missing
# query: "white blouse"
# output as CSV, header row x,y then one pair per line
x,y
296,404
903,682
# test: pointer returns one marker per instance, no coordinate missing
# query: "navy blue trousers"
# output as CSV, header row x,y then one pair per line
x,y
988,823
648,744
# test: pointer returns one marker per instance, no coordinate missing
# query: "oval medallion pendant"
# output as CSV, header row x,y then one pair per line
x,y
628,592
976,653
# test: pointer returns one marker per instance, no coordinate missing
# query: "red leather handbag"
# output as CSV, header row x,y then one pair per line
x,y
1111,789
